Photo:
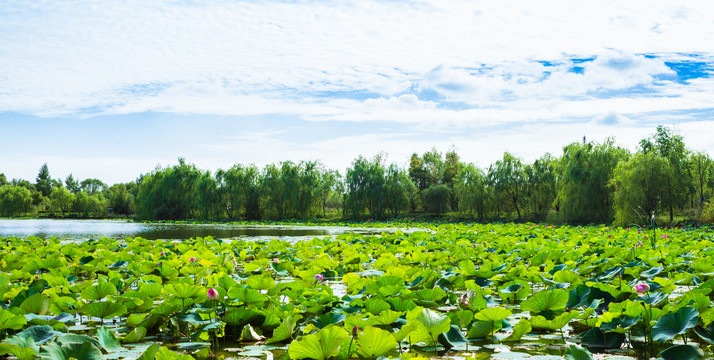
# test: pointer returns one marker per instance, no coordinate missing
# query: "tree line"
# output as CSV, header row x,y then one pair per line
x,y
589,183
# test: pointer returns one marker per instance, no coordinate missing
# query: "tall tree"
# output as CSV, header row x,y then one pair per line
x,y
509,179
398,190
365,187
62,200
702,167
43,182
641,186
584,195
92,186
471,187
665,143
71,184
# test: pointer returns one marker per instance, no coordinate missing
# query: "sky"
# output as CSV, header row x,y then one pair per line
x,y
112,89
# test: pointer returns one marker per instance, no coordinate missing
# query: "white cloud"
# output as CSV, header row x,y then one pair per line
x,y
446,68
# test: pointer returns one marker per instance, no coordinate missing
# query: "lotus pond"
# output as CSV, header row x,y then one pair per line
x,y
499,291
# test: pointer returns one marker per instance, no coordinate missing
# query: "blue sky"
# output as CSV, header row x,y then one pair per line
x,y
111,89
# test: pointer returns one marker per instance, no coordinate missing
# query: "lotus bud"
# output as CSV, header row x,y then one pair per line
x,y
318,277
642,288
355,331
212,294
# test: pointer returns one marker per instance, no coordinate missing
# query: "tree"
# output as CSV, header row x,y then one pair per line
x,y
437,199
701,166
120,199
365,187
207,197
93,186
584,195
541,185
168,194
452,165
62,200
641,187
44,181
71,184
3,179
666,144
14,200
471,188
329,183
398,190
509,179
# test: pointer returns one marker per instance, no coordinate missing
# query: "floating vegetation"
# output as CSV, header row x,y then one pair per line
x,y
506,291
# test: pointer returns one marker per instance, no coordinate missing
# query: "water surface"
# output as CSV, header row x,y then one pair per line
x,y
92,229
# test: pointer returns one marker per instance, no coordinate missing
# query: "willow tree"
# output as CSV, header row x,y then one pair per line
x,y
508,178
471,188
584,195
641,188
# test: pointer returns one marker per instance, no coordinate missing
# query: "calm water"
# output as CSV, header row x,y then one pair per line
x,y
90,229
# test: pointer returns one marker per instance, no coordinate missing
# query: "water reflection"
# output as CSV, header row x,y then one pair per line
x,y
88,229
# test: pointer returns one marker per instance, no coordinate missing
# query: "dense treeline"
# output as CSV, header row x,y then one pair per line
x,y
589,183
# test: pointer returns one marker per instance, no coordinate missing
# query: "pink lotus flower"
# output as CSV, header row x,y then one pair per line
x,y
163,253
212,294
192,259
473,245
642,288
275,261
639,243
664,236
627,229
465,301
318,277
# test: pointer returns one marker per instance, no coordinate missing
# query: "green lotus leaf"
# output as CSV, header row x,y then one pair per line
x,y
670,325
321,345
575,352
248,296
36,304
84,351
107,339
706,333
597,338
453,339
375,306
682,352
285,330
20,352
492,314
242,316
40,334
150,352
374,342
134,336
165,354
185,291
260,282
429,325
330,318
522,328
545,300
103,309
481,329
8,320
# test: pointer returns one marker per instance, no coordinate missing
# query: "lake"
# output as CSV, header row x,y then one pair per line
x,y
89,229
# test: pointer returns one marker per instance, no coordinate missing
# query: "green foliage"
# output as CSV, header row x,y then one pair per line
x,y
640,185
319,346
15,200
437,199
584,195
